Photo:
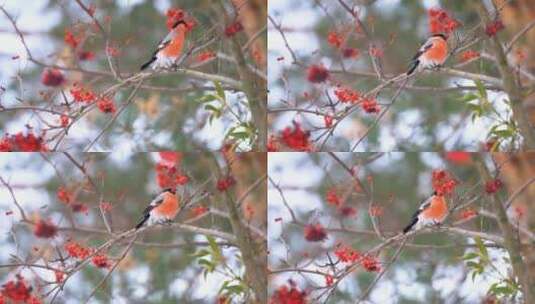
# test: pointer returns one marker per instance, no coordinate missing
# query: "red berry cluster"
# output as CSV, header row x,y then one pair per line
x,y
206,55
493,186
52,78
67,197
335,39
106,105
469,55
350,52
315,232
233,29
20,142
76,250
369,105
64,196
494,27
296,138
18,291
332,197
329,280
86,55
45,229
442,182
440,22
199,210
328,120
71,39
371,264
80,252
467,213
169,176
74,40
347,211
317,73
60,275
346,95
101,261
288,294
81,94
64,120
347,254
224,183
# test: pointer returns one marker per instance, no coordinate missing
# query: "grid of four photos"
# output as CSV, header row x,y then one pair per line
x,y
277,152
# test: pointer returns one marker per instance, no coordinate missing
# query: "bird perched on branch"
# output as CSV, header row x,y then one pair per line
x,y
432,54
162,209
432,211
170,48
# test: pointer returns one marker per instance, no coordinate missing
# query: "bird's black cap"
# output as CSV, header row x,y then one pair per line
x,y
172,190
179,22
441,35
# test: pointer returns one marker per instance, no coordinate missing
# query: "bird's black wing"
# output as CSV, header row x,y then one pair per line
x,y
163,43
415,60
414,219
146,213
422,50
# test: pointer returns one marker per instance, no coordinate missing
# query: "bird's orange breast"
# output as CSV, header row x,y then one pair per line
x,y
438,52
169,206
174,48
437,210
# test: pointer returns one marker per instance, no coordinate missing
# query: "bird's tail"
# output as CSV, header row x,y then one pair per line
x,y
413,67
409,227
148,63
143,220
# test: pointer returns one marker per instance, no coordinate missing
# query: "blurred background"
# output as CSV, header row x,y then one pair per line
x,y
430,269
431,114
170,111
200,263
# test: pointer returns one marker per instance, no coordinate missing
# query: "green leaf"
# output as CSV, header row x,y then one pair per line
x,y
472,264
481,89
469,97
201,253
470,255
207,98
212,108
219,90
503,133
206,264
240,135
225,284
503,290
482,248
234,289
216,251
474,274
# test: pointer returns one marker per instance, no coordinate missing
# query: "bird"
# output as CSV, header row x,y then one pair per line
x,y
162,209
432,54
432,211
170,48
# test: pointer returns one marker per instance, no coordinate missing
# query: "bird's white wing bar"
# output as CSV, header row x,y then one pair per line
x,y
426,203
157,200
